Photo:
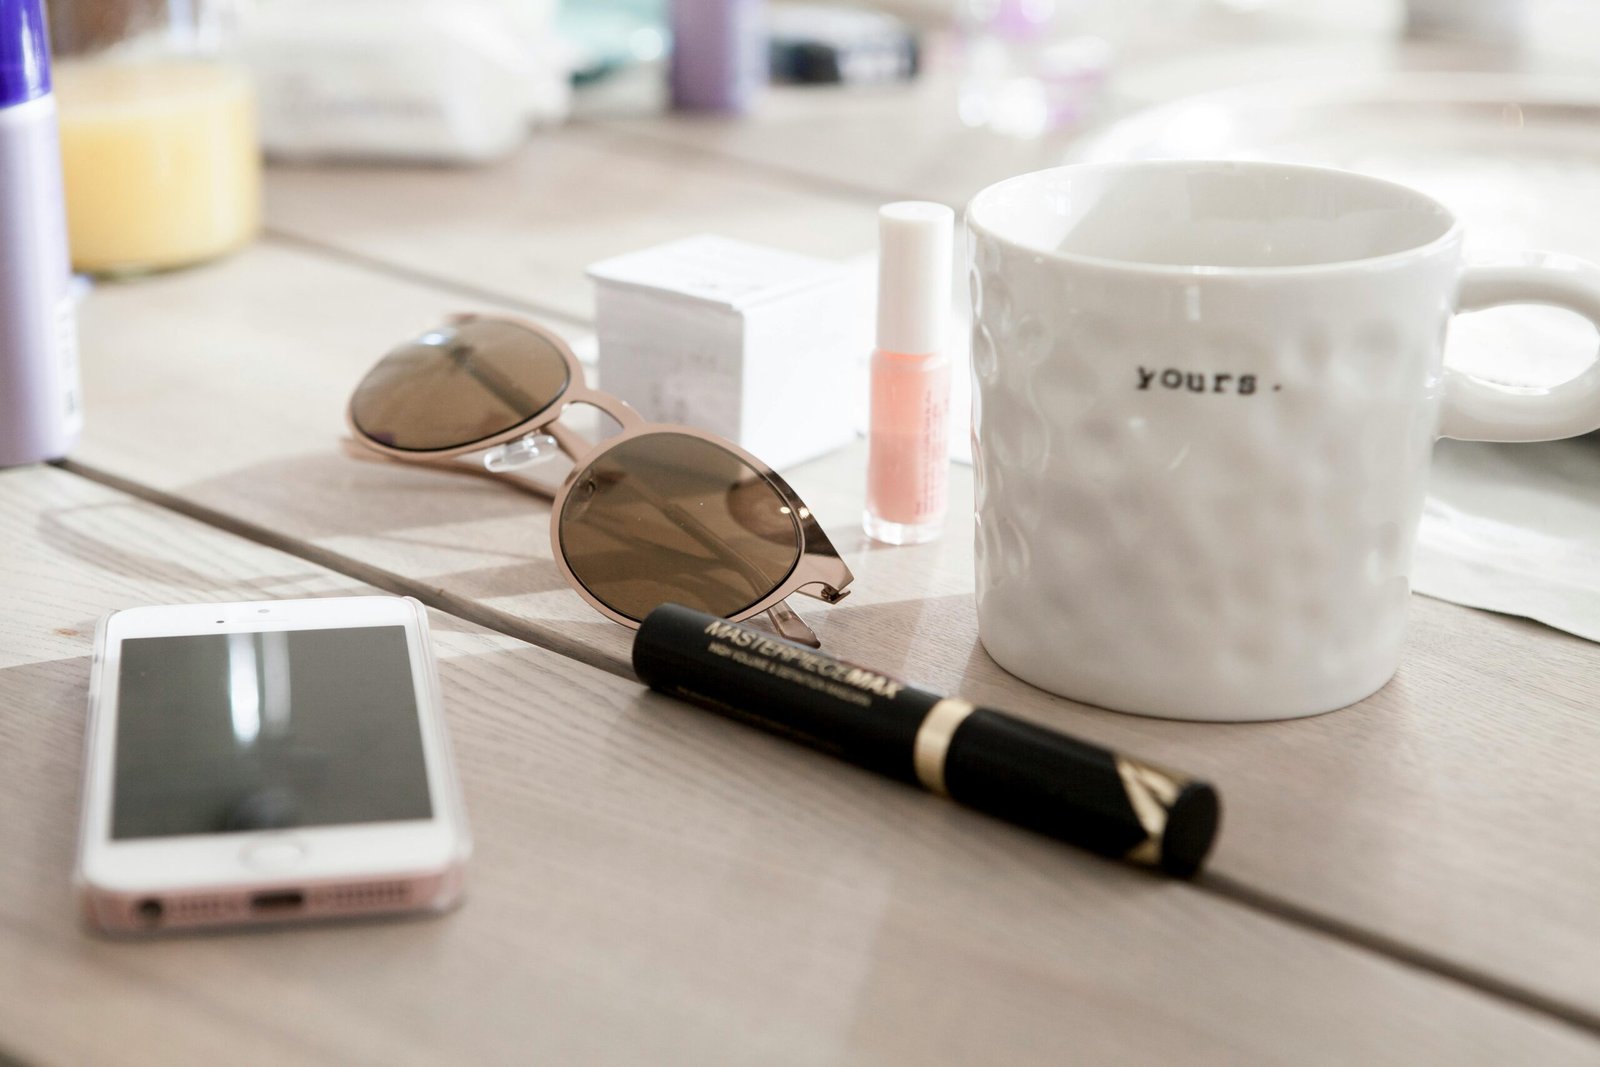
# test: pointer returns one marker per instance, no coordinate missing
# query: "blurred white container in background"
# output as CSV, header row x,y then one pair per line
x,y
455,81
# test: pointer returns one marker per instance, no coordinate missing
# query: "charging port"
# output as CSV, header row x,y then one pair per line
x,y
150,910
280,900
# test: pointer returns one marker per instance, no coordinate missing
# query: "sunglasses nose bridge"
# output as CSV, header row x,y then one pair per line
x,y
525,451
614,407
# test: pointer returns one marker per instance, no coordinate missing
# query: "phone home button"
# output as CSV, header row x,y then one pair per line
x,y
277,854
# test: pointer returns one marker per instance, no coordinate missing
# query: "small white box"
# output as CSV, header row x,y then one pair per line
x,y
762,346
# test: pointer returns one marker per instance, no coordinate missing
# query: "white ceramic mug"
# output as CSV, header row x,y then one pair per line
x,y
1206,397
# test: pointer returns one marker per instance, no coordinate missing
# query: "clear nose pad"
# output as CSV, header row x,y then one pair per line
x,y
523,452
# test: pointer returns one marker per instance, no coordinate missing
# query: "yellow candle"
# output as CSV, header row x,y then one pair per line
x,y
161,162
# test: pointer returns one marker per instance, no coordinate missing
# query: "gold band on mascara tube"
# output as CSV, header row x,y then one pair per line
x,y
1151,791
933,741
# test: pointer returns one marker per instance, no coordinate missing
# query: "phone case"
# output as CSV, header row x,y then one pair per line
x,y
272,900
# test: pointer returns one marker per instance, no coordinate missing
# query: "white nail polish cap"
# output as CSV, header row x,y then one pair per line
x,y
915,239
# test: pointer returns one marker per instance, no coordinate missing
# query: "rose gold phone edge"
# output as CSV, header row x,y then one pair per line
x,y
387,893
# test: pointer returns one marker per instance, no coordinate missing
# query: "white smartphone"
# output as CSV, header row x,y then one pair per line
x,y
263,762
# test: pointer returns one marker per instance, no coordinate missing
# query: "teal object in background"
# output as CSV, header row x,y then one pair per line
x,y
612,35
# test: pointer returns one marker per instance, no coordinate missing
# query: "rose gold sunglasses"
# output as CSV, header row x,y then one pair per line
x,y
652,515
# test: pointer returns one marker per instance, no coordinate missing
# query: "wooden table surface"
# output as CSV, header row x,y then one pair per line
x,y
1411,880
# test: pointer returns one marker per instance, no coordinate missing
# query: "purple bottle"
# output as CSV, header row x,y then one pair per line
x,y
719,54
40,410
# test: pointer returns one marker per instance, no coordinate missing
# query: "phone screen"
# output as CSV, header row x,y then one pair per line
x,y
224,733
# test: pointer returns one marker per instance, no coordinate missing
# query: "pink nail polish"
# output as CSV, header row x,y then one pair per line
x,y
908,439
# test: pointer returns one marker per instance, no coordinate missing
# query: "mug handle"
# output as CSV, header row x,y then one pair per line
x,y
1477,410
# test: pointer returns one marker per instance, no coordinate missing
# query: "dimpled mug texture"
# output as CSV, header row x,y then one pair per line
x,y
1197,493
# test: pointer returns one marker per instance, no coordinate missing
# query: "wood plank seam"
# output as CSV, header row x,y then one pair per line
x,y
1221,886
350,258
460,607
668,148
1228,888
621,137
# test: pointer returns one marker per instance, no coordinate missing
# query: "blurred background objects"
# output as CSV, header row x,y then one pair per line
x,y
719,54
1032,65
607,36
826,44
432,81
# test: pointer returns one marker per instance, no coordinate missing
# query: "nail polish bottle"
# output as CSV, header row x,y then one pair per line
x,y
908,440
39,408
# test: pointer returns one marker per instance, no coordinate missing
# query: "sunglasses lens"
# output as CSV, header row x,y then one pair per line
x,y
459,384
670,518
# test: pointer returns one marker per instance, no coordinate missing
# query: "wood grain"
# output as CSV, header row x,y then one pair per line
x,y
527,228
1437,814
650,884
1440,814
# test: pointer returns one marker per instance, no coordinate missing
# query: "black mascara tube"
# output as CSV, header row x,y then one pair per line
x,y
1028,775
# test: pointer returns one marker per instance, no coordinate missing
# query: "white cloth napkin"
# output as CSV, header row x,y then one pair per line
x,y
1515,529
